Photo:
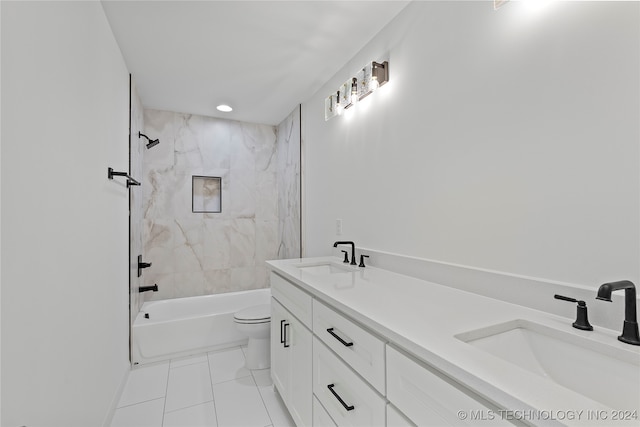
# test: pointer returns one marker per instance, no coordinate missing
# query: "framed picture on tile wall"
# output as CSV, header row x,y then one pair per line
x,y
206,194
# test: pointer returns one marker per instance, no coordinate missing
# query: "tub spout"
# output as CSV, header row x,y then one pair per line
x,y
153,288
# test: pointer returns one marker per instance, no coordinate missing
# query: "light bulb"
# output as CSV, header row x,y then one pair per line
x,y
354,91
373,84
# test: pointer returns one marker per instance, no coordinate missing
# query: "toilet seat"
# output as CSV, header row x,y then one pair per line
x,y
254,315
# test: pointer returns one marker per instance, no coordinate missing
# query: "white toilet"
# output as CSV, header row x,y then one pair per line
x,y
255,322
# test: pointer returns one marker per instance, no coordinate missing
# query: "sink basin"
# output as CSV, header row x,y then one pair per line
x,y
605,373
325,268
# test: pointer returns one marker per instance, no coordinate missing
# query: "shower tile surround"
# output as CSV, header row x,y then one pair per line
x,y
207,253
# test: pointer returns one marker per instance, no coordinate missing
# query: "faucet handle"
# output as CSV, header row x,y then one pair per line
x,y
362,257
582,320
346,256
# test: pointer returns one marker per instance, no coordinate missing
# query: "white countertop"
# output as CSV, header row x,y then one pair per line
x,y
423,318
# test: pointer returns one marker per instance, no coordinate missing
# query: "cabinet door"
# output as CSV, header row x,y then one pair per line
x,y
291,363
429,398
280,364
396,419
320,417
299,341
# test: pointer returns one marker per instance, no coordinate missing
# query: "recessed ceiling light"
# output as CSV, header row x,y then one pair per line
x,y
224,108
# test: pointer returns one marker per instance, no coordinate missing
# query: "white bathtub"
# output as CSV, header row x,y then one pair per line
x,y
183,326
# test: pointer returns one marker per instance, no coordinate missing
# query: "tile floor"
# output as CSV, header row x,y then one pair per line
x,y
210,389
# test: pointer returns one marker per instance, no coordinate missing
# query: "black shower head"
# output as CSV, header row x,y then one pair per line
x,y
152,142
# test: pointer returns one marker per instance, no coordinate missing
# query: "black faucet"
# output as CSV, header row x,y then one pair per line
x,y
630,326
353,250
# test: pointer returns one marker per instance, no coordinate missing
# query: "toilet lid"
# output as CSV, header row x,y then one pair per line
x,y
255,313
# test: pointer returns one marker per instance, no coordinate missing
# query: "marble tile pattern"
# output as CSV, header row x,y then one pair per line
x,y
207,253
136,219
288,183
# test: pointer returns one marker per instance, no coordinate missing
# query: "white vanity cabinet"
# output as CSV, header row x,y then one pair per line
x,y
429,398
291,357
333,371
347,398
360,349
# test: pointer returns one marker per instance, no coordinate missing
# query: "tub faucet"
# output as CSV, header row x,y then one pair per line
x,y
353,250
630,326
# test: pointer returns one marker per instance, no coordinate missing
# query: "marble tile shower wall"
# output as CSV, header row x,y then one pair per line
x,y
206,253
288,145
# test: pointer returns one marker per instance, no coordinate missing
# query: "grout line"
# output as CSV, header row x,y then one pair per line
x,y
139,403
166,392
266,408
190,406
194,362
215,408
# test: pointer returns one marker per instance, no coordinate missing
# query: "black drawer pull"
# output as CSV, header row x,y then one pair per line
x,y
347,407
346,344
285,335
281,333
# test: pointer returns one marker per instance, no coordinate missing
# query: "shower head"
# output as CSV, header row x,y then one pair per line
x,y
152,142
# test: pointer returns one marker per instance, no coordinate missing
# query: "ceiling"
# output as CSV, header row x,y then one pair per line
x,y
261,57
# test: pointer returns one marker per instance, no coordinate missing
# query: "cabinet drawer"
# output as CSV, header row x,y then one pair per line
x,y
361,350
320,417
429,398
297,301
334,381
396,419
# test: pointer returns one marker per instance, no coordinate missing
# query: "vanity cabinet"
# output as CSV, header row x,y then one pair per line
x,y
429,398
332,371
347,398
361,350
291,359
321,417
396,419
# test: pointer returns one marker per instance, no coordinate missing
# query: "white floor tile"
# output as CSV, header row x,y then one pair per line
x,y
189,385
147,414
238,403
227,365
275,406
203,415
189,360
145,383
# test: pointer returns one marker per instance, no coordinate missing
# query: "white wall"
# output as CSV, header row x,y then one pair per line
x,y
64,224
505,140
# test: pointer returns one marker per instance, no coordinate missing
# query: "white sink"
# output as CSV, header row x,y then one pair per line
x,y
323,268
605,373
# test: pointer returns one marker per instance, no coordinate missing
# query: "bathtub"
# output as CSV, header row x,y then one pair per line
x,y
183,326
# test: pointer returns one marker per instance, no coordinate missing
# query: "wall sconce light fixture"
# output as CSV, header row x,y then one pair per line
x,y
368,79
